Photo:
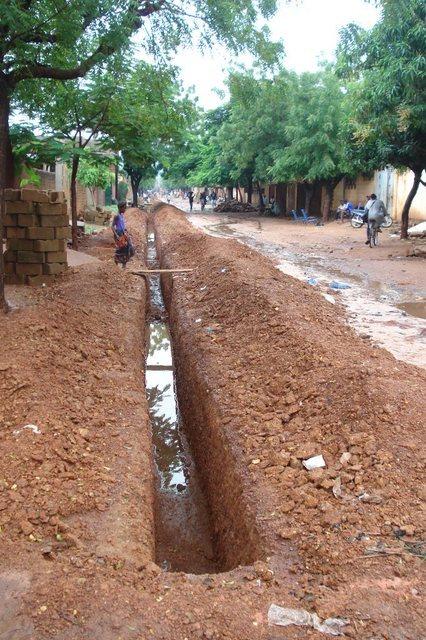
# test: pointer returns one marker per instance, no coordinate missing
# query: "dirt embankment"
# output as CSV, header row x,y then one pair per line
x,y
272,377
75,449
76,518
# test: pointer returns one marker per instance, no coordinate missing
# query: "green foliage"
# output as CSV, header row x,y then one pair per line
x,y
146,120
257,111
30,152
92,174
387,67
314,129
203,163
123,187
44,39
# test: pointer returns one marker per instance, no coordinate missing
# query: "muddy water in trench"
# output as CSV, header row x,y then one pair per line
x,y
183,534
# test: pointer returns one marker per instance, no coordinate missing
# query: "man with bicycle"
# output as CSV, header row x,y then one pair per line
x,y
375,212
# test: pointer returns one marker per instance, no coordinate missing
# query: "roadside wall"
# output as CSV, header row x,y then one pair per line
x,y
36,228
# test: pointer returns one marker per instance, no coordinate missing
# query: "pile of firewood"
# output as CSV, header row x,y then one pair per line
x,y
233,206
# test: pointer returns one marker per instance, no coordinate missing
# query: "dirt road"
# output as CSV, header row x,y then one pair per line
x,y
387,296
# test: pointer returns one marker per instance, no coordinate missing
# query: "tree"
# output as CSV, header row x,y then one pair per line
x,y
74,111
315,130
145,168
146,119
254,127
93,175
64,40
388,68
203,162
30,152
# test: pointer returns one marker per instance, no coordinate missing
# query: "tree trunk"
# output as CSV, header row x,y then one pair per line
x,y
250,190
261,202
73,189
309,190
6,175
6,156
239,194
328,199
3,303
116,180
135,182
406,209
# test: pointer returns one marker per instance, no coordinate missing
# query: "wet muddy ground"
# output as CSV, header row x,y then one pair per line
x,y
385,300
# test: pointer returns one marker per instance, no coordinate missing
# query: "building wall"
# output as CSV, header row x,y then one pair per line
x,y
401,187
390,186
358,193
48,181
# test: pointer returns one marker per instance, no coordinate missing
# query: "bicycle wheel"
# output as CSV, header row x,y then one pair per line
x,y
372,235
370,231
356,223
387,222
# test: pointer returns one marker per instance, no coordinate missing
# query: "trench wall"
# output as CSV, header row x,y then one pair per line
x,y
234,514
270,375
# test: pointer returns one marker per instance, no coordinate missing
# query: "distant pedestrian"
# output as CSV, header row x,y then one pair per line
x,y
345,208
190,195
203,200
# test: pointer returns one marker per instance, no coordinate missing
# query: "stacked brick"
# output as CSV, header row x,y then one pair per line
x,y
36,229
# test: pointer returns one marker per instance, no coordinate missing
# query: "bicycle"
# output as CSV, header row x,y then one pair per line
x,y
373,233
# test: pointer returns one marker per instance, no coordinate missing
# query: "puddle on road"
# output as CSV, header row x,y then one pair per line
x,y
416,309
388,326
183,540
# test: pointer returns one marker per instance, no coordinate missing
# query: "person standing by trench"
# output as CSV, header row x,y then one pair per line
x,y
123,243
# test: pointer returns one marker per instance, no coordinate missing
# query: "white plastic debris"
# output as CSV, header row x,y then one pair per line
x,y
284,617
329,298
417,230
316,462
30,427
345,457
337,488
198,320
203,288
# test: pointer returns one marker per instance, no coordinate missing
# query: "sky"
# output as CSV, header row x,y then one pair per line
x,y
308,28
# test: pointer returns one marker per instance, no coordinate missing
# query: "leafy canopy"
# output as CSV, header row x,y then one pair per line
x,y
63,40
387,67
92,175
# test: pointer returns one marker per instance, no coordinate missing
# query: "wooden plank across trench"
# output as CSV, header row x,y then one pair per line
x,y
147,272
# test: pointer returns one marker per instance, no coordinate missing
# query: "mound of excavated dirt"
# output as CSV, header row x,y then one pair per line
x,y
278,377
274,376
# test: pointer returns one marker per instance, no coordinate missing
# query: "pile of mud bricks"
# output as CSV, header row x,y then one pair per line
x,y
36,228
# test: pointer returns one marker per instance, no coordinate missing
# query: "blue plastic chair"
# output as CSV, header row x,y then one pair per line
x,y
307,219
295,217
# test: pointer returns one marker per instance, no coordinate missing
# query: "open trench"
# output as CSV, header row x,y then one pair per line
x,y
183,540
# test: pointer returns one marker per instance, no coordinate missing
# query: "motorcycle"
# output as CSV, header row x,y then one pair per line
x,y
357,219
